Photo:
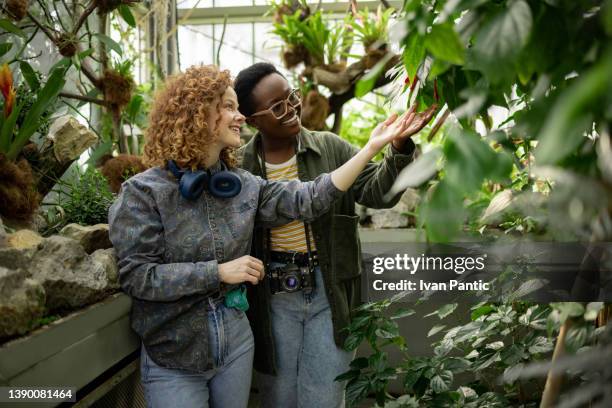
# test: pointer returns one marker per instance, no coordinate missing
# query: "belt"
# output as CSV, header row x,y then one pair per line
x,y
298,258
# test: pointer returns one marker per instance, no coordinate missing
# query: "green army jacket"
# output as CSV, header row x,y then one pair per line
x,y
335,232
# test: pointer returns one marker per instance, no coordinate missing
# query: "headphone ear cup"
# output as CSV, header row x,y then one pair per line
x,y
225,184
192,184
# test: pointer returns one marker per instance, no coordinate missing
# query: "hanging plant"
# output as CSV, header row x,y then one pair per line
x,y
17,9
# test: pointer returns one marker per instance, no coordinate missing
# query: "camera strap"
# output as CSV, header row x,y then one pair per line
x,y
262,163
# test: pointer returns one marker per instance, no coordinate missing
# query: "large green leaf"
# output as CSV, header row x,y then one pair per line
x,y
29,75
443,42
413,54
45,97
7,25
5,47
572,114
110,43
7,128
127,15
444,213
470,160
498,43
367,83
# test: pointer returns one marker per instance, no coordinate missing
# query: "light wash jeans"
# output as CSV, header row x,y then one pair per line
x,y
307,357
225,386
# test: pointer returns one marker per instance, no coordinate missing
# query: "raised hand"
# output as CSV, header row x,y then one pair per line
x,y
398,129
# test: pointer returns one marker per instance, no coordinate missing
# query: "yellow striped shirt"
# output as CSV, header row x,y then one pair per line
x,y
289,237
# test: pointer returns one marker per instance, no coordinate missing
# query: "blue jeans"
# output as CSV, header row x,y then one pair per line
x,y
225,386
307,357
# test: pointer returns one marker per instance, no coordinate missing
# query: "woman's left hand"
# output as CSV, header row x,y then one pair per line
x,y
398,129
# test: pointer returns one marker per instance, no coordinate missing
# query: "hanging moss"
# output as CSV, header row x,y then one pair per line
x,y
18,196
120,168
118,88
17,9
106,6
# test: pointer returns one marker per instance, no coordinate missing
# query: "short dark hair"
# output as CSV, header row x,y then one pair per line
x,y
247,80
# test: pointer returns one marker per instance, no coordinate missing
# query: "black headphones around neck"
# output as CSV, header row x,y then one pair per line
x,y
221,184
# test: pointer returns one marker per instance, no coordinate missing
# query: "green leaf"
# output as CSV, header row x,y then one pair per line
x,y
444,213
540,345
402,313
5,47
127,15
367,83
572,114
110,43
444,43
133,107
592,310
353,341
481,311
29,75
470,160
499,42
441,382
349,375
7,25
412,376
606,16
388,330
576,337
436,329
8,128
413,54
359,363
45,97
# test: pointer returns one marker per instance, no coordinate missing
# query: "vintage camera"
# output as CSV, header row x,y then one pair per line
x,y
290,278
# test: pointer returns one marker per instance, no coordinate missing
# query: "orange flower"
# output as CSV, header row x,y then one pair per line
x,y
9,102
6,80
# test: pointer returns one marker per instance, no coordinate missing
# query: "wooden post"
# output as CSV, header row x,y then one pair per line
x,y
554,380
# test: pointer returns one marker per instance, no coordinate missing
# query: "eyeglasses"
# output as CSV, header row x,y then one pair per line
x,y
279,109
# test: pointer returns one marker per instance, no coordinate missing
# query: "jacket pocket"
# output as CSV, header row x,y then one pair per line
x,y
346,248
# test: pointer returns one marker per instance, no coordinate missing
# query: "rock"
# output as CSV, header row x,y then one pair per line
x,y
70,138
397,216
72,278
22,300
91,237
108,260
24,239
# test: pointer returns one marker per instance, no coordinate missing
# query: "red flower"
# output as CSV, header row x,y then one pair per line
x,y
6,80
9,101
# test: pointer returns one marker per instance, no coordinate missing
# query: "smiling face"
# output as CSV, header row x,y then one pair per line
x,y
270,90
227,120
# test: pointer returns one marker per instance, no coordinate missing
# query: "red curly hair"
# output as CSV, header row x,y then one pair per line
x,y
178,122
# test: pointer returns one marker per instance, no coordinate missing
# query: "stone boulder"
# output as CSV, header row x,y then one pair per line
x,y
396,217
70,276
91,237
69,138
22,300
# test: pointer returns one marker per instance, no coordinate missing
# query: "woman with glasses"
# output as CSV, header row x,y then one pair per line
x,y
299,311
182,232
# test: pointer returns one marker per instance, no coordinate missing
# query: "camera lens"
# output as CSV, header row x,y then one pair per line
x,y
291,283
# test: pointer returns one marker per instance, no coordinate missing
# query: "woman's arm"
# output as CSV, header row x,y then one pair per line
x,y
137,234
282,202
394,128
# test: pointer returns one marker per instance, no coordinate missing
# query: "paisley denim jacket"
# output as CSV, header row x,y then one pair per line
x,y
168,250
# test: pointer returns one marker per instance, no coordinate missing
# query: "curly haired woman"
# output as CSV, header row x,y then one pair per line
x,y
182,231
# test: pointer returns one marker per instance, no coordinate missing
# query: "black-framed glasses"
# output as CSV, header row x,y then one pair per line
x,y
279,109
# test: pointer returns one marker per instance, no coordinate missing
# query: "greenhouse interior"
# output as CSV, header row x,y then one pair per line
x,y
300,203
